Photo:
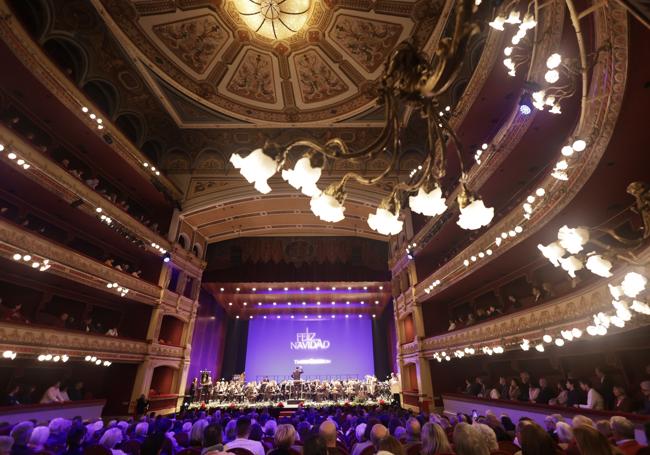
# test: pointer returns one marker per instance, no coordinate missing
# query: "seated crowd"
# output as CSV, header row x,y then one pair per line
x,y
14,313
326,431
58,392
601,394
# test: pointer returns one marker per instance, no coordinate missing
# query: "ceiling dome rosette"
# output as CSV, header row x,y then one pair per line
x,y
249,63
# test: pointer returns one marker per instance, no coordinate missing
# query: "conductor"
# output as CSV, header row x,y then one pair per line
x,y
297,373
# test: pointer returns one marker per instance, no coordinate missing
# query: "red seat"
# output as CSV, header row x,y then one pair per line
x,y
370,450
131,447
96,449
414,449
197,451
508,447
236,451
182,439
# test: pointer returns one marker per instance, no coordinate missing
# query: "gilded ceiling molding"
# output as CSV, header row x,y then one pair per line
x,y
603,106
508,136
57,180
344,71
72,265
575,309
32,56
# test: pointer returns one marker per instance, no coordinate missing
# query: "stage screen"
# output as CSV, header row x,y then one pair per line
x,y
323,347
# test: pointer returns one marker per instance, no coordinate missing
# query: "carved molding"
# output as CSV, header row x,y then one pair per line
x,y
508,136
48,74
604,102
34,340
575,309
72,265
57,180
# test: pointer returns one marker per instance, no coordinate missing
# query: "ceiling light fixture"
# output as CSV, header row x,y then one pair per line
x,y
409,78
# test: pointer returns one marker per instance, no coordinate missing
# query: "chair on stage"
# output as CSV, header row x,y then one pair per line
x,y
97,449
131,447
238,451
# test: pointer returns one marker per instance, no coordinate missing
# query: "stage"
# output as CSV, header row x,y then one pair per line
x,y
289,405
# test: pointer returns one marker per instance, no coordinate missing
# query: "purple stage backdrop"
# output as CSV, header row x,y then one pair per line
x,y
323,347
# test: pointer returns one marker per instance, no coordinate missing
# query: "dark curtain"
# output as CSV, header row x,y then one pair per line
x,y
381,342
234,358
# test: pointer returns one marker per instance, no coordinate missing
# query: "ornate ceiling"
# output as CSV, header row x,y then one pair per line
x,y
325,73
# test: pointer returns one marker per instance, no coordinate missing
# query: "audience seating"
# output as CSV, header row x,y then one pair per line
x,y
239,451
97,449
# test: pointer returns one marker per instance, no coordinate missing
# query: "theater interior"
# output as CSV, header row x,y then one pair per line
x,y
184,182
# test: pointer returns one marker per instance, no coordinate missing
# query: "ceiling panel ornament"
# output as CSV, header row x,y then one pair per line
x,y
254,79
324,73
195,41
367,42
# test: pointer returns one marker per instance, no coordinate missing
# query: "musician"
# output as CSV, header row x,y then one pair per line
x,y
206,385
395,389
297,373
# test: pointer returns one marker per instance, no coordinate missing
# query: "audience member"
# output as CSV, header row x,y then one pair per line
x,y
468,440
564,434
327,431
434,440
594,399
53,394
605,387
285,438
38,439
377,434
545,392
390,446
591,441
243,431
605,428
21,434
489,436
622,403
533,440
212,439
6,442
111,438
623,435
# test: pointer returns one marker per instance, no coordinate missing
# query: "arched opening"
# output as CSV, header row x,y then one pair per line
x,y
33,16
409,329
131,126
68,56
103,95
410,377
197,250
171,330
162,380
184,241
152,149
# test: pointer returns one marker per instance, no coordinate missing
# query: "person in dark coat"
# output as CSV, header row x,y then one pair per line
x,y
605,386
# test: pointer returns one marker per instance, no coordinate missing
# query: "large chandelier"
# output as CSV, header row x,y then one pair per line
x,y
275,19
409,78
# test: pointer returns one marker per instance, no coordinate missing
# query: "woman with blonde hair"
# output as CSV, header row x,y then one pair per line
x,y
593,442
434,440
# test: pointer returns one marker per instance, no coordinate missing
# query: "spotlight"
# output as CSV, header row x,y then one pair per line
x,y
525,104
167,257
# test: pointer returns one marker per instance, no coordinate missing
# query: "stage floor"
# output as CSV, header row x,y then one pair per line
x,y
288,404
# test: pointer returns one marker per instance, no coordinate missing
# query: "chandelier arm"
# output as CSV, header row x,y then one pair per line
x,y
457,144
337,149
372,181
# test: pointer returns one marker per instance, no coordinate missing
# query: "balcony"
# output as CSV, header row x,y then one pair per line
x,y
72,265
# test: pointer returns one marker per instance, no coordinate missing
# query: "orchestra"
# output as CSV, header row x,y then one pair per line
x,y
269,390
